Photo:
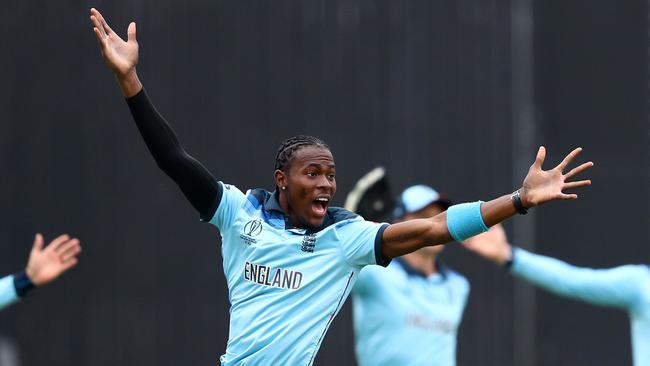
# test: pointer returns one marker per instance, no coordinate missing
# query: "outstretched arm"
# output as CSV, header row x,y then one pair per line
x,y
462,221
43,266
194,180
620,286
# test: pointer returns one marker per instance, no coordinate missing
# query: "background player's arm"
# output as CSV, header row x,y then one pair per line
x,y
44,266
196,182
539,186
8,291
620,286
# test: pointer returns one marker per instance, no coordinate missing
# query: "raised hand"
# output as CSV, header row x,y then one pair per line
x,y
541,186
120,56
491,245
45,265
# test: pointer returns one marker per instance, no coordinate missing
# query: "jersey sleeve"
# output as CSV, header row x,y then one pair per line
x,y
361,242
232,201
8,293
620,287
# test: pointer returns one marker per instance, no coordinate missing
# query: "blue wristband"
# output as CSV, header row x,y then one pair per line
x,y
465,220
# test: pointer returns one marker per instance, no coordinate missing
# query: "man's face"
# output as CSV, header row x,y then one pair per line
x,y
310,186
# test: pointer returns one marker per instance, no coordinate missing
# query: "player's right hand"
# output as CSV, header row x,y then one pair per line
x,y
120,56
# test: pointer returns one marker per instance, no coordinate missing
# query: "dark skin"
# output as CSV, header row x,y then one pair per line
x,y
539,186
310,174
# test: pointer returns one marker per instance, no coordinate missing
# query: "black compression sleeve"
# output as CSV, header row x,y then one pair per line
x,y
198,185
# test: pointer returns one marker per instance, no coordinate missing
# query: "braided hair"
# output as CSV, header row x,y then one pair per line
x,y
289,147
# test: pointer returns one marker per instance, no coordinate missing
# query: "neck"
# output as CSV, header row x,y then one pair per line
x,y
284,205
423,262
282,201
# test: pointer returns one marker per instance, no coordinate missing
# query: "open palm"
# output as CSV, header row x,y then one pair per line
x,y
541,186
46,264
120,56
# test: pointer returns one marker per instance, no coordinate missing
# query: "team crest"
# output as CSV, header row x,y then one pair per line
x,y
308,243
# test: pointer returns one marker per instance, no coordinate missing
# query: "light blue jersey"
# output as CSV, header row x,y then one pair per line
x,y
286,285
8,293
625,287
404,318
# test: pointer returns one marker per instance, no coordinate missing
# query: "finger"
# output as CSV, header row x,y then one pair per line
x,y
54,244
564,196
67,245
69,264
94,12
98,25
100,38
95,21
577,170
70,253
104,23
38,243
131,33
578,184
539,159
563,164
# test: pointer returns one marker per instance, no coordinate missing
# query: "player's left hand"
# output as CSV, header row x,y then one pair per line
x,y
45,265
541,186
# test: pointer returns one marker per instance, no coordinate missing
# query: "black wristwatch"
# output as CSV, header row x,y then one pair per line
x,y
516,201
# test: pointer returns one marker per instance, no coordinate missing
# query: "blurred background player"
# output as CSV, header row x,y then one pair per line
x,y
409,312
626,287
43,266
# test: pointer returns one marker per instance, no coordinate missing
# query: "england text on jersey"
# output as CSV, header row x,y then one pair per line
x,y
272,277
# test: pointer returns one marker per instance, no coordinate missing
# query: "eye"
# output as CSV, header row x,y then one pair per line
x,y
312,174
332,176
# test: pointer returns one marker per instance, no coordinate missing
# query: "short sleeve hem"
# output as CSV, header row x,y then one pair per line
x,y
379,257
213,210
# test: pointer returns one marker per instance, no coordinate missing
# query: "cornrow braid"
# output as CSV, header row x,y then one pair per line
x,y
289,147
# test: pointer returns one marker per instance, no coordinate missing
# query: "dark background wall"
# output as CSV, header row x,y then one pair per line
x,y
421,87
592,87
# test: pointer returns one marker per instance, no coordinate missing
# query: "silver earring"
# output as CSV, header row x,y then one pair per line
x,y
283,188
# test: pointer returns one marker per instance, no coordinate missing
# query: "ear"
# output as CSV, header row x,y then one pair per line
x,y
280,178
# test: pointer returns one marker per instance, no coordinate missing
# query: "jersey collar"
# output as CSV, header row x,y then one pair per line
x,y
440,268
271,203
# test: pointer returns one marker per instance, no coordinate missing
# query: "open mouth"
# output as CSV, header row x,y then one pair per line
x,y
319,206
